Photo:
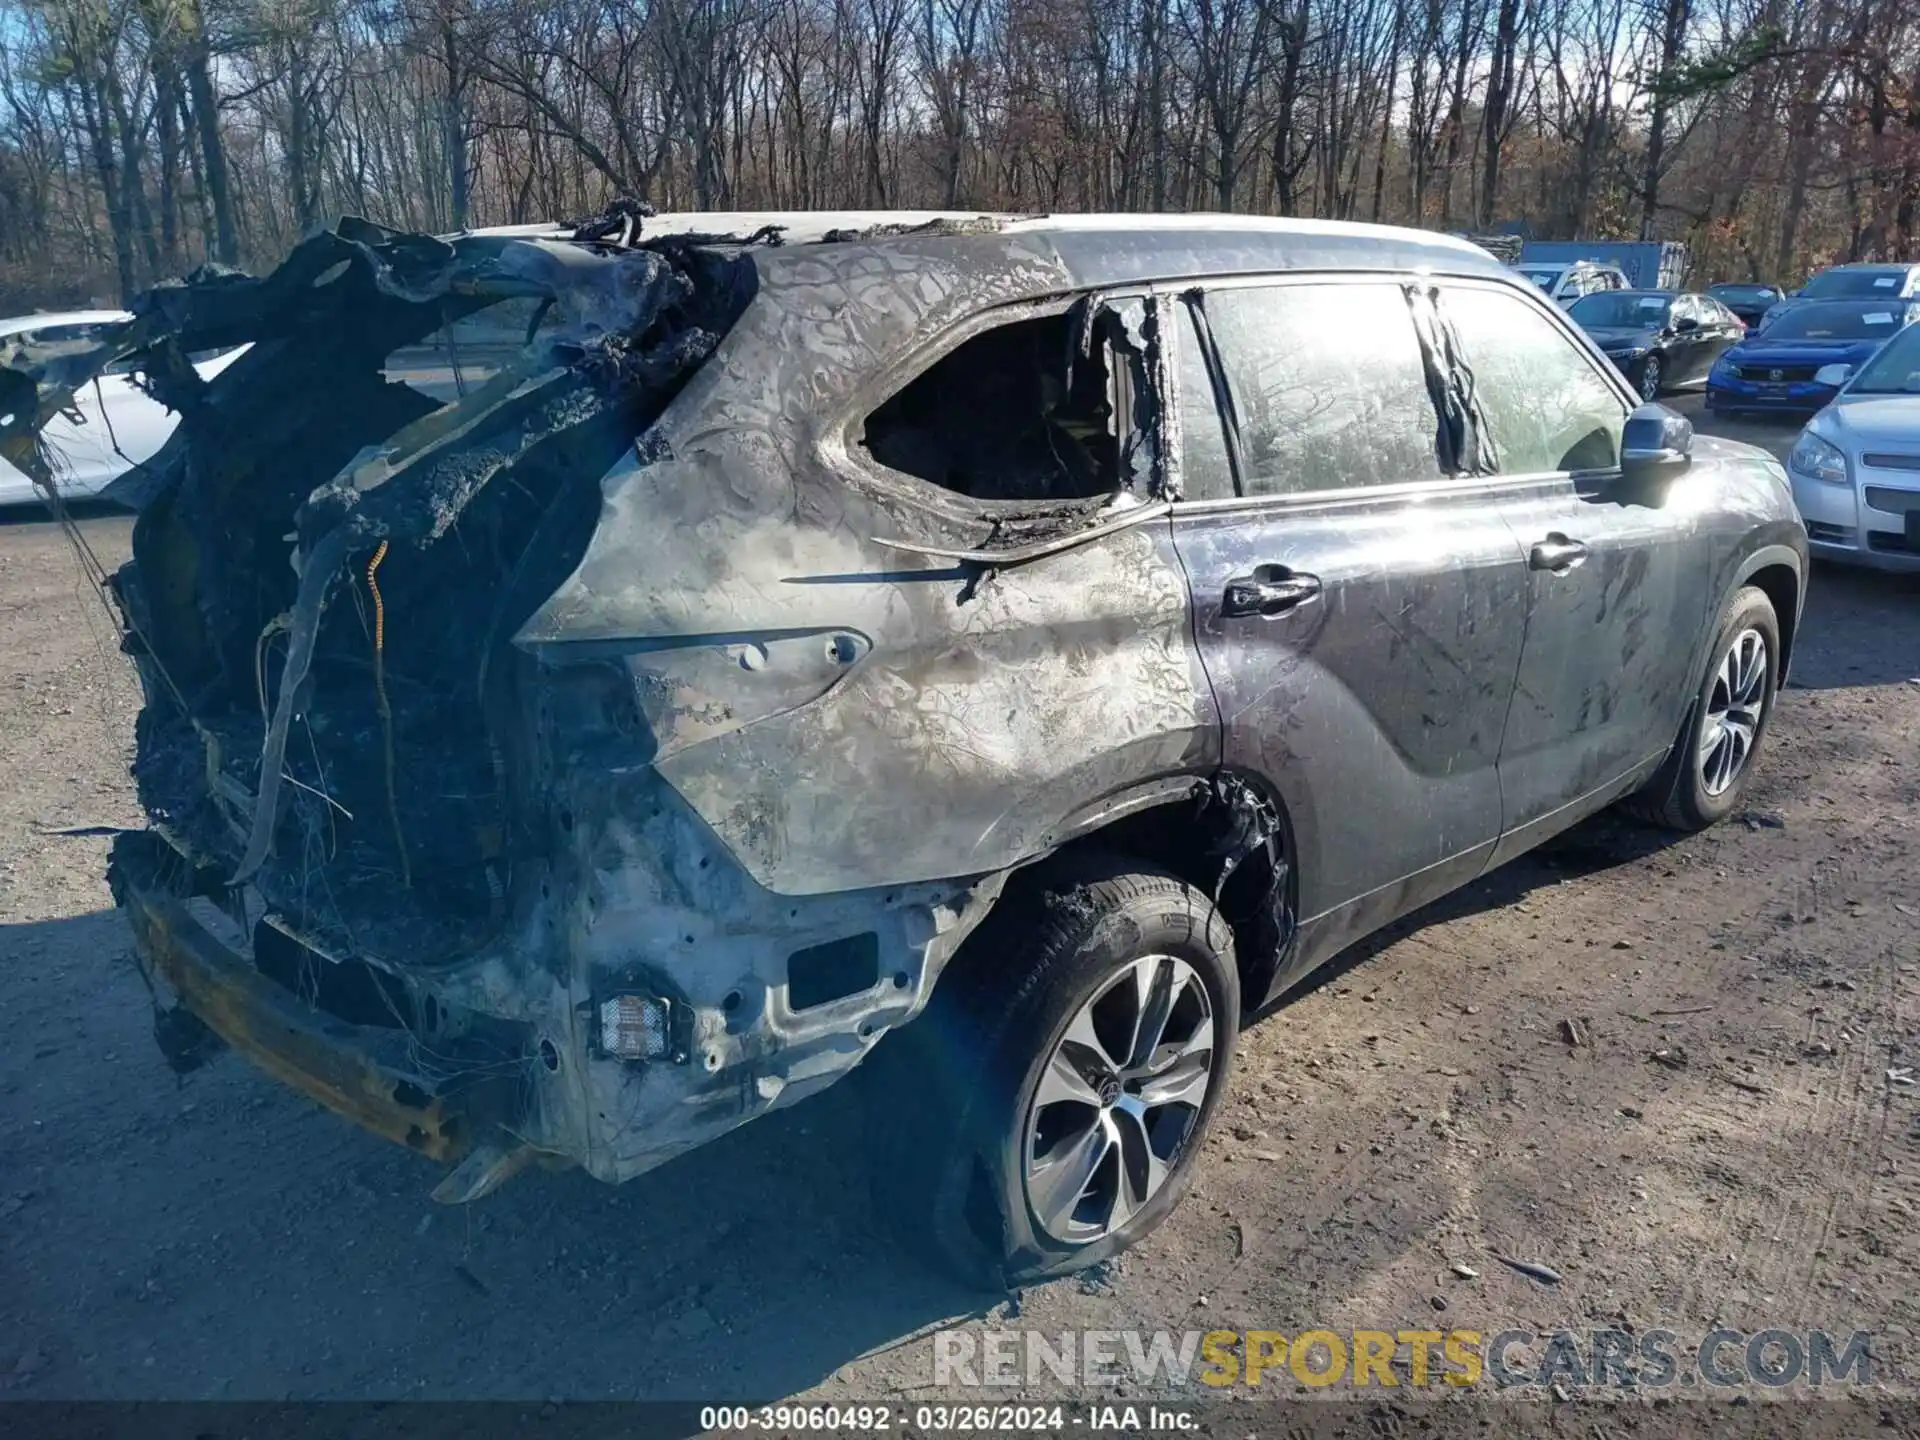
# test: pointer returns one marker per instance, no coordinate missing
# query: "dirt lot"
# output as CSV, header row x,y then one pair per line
x,y
223,1238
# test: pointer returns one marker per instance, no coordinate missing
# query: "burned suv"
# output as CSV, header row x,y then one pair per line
x,y
1004,652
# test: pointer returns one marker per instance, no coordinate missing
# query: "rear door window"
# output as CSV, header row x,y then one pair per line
x,y
1205,471
1327,385
1013,412
1549,408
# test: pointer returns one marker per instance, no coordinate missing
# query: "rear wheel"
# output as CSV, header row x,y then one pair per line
x,y
1046,1112
1712,760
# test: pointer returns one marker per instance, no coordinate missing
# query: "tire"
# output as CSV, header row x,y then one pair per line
x,y
1648,383
959,1123
1691,791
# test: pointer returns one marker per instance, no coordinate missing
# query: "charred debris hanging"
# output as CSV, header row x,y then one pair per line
x,y
329,563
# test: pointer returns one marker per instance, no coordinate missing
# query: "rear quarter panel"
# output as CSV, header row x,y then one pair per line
x,y
842,713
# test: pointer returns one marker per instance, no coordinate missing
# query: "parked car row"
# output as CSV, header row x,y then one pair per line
x,y
1658,339
1843,350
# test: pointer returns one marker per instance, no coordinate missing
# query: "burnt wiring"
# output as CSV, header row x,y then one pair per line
x,y
276,626
465,1064
39,468
1253,827
106,419
540,312
620,222
386,710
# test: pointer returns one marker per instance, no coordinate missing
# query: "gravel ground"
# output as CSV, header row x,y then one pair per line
x,y
1419,1108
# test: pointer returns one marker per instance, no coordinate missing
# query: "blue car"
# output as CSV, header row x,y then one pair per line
x,y
1779,369
1858,281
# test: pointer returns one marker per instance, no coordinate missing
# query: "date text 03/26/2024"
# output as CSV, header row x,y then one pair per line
x,y
955,1419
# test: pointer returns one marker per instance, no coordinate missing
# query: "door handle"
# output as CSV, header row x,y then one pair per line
x,y
1556,553
1270,590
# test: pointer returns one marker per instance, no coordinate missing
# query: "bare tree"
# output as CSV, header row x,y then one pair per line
x,y
141,137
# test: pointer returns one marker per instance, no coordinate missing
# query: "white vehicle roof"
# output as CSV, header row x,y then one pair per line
x,y
1555,267
800,227
14,324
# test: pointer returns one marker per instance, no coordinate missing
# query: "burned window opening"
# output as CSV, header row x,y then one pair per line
x,y
1013,413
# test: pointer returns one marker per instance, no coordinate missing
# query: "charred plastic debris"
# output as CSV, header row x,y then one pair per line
x,y
468,848
328,563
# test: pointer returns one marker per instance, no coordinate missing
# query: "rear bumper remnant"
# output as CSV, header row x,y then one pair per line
x,y
333,1062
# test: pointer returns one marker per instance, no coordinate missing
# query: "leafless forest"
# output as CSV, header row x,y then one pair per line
x,y
139,138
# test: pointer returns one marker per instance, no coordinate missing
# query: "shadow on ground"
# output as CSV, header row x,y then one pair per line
x,y
1601,843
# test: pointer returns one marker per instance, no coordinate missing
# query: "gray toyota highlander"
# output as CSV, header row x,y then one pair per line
x,y
604,683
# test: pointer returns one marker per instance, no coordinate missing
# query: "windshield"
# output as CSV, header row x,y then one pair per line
x,y
1543,278
1857,283
1743,292
1895,370
1838,322
1622,309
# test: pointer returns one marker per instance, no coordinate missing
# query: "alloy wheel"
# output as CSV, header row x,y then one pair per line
x,y
1734,708
1119,1099
1650,378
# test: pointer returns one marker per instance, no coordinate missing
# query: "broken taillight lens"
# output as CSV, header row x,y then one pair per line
x,y
634,1027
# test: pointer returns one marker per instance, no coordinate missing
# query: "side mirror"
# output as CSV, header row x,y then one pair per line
x,y
1834,375
1657,444
1685,324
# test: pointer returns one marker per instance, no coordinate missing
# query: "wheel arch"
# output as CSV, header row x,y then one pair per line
x,y
1779,573
1228,835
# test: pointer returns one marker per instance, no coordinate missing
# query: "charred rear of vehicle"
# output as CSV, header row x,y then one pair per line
x,y
340,745
1038,631
332,565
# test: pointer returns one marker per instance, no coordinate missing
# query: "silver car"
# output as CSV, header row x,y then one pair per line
x,y
1566,283
1856,467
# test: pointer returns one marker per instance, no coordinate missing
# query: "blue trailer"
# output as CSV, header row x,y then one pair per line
x,y
1648,264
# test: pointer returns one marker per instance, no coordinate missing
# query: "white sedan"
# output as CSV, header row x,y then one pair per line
x,y
1856,467
119,425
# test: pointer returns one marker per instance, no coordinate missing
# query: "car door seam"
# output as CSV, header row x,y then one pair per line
x,y
1224,409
